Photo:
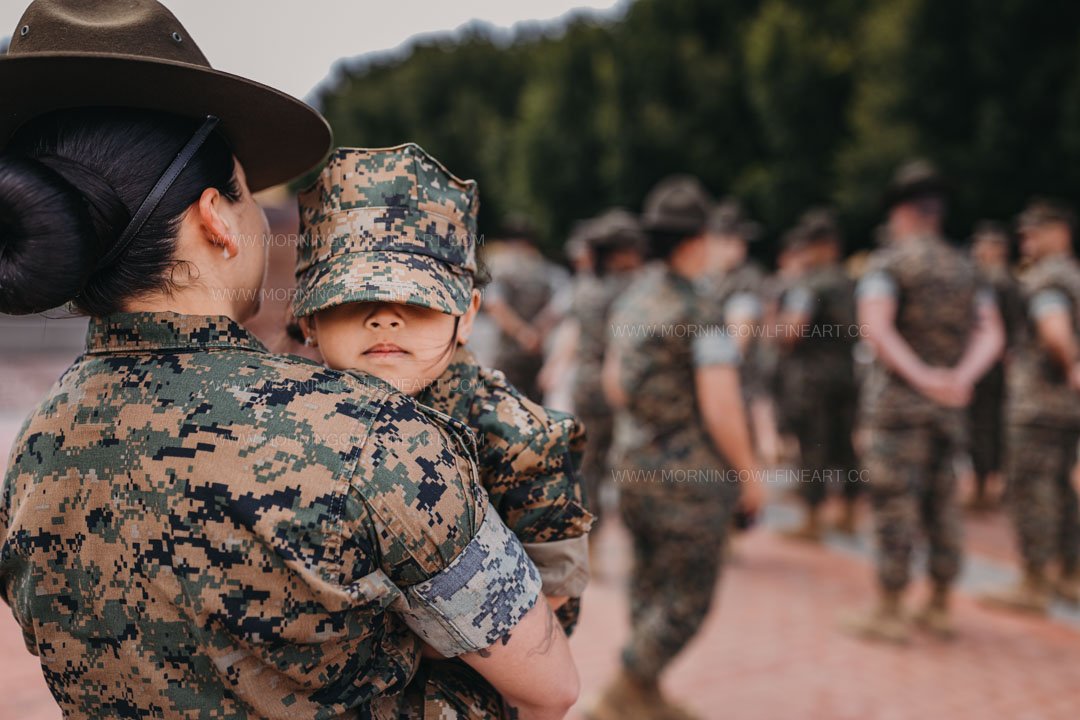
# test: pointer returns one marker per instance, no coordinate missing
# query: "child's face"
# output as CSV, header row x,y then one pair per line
x,y
405,345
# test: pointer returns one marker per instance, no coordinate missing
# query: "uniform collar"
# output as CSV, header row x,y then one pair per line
x,y
152,331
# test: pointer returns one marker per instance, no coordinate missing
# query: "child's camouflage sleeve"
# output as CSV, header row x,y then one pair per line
x,y
540,497
464,579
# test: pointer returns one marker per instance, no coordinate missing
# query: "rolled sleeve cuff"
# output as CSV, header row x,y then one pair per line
x,y
715,349
876,284
798,301
743,305
1047,302
563,565
984,298
479,597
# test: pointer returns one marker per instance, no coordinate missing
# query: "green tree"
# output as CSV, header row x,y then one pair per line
x,y
785,103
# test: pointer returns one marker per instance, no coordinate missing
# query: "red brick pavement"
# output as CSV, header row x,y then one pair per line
x,y
771,649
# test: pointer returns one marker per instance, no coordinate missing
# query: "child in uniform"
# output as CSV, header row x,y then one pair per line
x,y
388,284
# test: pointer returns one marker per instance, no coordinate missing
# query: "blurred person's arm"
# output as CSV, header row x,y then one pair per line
x,y
742,313
557,308
1050,312
720,400
561,359
795,313
876,307
987,342
513,324
611,379
1053,327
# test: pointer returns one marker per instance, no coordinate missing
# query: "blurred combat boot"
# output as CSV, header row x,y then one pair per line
x,y
811,530
626,698
848,522
1030,595
884,623
1067,587
934,618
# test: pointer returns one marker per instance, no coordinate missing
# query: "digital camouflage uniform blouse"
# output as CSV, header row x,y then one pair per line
x,y
192,527
1039,392
663,331
529,458
938,292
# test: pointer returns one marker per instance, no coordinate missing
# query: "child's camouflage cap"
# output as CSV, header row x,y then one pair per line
x,y
390,225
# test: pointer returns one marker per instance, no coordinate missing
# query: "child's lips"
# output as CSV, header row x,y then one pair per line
x,y
384,349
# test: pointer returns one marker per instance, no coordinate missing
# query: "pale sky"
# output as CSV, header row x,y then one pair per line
x,y
292,45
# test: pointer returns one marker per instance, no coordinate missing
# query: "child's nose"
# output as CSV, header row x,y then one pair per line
x,y
385,317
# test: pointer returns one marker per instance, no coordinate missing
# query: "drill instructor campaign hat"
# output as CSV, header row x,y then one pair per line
x,y
136,54
677,204
729,218
914,180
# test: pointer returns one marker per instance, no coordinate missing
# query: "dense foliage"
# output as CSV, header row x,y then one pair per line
x,y
784,103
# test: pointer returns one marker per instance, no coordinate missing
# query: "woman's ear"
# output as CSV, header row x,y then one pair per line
x,y
465,325
213,213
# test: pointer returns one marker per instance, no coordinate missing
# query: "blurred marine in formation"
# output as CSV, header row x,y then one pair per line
x,y
618,246
990,251
819,331
733,288
523,283
1043,413
934,330
673,373
782,386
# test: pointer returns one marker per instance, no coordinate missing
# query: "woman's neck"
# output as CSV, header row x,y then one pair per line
x,y
238,304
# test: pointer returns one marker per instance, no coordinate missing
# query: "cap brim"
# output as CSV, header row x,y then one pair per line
x,y
275,136
397,277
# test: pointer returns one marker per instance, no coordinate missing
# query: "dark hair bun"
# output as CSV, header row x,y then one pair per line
x,y
48,240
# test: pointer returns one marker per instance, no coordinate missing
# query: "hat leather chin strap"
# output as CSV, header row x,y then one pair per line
x,y
150,203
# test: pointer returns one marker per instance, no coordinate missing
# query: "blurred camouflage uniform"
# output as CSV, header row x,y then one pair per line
x,y
529,458
987,410
822,372
779,381
676,495
739,293
395,225
591,308
1044,423
193,527
913,441
526,282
